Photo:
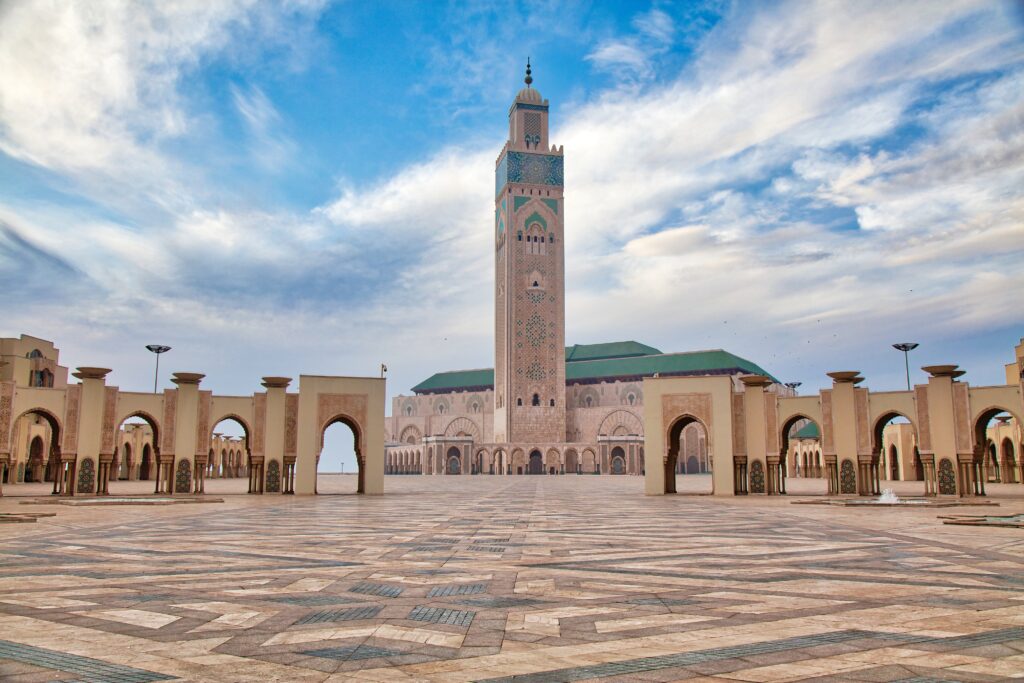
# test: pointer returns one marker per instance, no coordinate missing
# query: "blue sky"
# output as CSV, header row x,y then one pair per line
x,y
304,187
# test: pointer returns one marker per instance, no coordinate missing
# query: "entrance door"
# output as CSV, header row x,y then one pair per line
x,y
536,463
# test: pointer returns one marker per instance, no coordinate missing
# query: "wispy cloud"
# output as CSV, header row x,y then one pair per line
x,y
819,174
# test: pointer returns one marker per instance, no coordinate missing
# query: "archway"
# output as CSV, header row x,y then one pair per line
x,y
993,475
453,461
339,464
146,466
124,466
137,433
588,462
1009,462
35,465
985,465
894,435
800,455
618,460
230,441
536,462
572,461
693,451
49,466
698,483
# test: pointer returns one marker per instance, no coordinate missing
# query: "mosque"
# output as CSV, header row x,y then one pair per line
x,y
618,407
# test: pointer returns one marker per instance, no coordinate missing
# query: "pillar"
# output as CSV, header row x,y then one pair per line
x,y
274,429
186,423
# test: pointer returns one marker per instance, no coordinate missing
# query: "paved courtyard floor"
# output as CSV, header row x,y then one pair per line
x,y
508,579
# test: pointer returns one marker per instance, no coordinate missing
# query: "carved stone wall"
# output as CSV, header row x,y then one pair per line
x,y
828,443
259,427
291,421
675,405
860,407
72,412
962,426
203,423
924,429
183,477
6,409
332,406
107,442
170,411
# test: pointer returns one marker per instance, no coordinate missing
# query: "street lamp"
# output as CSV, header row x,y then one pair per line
x,y
906,348
793,386
157,349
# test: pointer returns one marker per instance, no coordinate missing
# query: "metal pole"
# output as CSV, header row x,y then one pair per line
x,y
156,373
906,362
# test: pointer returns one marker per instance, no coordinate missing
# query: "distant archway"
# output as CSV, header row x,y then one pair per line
x,y
985,465
536,462
618,460
572,461
340,445
1009,462
676,446
148,439
453,461
54,469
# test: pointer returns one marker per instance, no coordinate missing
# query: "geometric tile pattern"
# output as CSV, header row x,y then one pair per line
x,y
593,581
84,668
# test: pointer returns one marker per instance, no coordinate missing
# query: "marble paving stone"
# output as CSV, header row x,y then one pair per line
x,y
510,579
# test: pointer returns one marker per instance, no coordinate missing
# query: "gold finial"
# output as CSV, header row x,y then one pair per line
x,y
529,78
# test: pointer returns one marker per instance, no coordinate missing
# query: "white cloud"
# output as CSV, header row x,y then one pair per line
x,y
719,209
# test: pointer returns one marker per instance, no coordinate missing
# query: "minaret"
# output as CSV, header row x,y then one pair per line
x,y
529,263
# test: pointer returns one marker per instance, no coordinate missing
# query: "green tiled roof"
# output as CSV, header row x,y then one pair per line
x,y
808,431
605,362
625,349
457,380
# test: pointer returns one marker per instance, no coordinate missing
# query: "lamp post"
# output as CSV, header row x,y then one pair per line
x,y
793,386
157,349
906,348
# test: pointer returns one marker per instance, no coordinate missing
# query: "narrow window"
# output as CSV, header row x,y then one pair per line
x,y
552,403
519,401
536,399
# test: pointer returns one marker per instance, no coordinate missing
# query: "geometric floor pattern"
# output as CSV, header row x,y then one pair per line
x,y
527,579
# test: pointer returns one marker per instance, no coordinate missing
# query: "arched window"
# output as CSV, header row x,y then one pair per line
x,y
589,401
408,411
631,399
552,403
35,353
536,400
476,407
519,401
440,409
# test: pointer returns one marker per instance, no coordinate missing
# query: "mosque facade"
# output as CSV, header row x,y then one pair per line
x,y
544,407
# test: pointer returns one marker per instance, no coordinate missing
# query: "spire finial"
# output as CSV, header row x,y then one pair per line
x,y
529,78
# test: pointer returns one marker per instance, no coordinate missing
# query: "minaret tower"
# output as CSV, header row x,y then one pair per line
x,y
529,294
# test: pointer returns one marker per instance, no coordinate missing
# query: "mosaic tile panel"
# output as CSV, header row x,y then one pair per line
x,y
377,589
437,615
352,653
332,615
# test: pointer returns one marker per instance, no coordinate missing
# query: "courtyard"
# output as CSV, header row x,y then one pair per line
x,y
544,578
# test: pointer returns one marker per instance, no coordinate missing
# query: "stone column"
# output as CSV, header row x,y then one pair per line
x,y
185,424
844,428
275,427
90,428
755,426
944,432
